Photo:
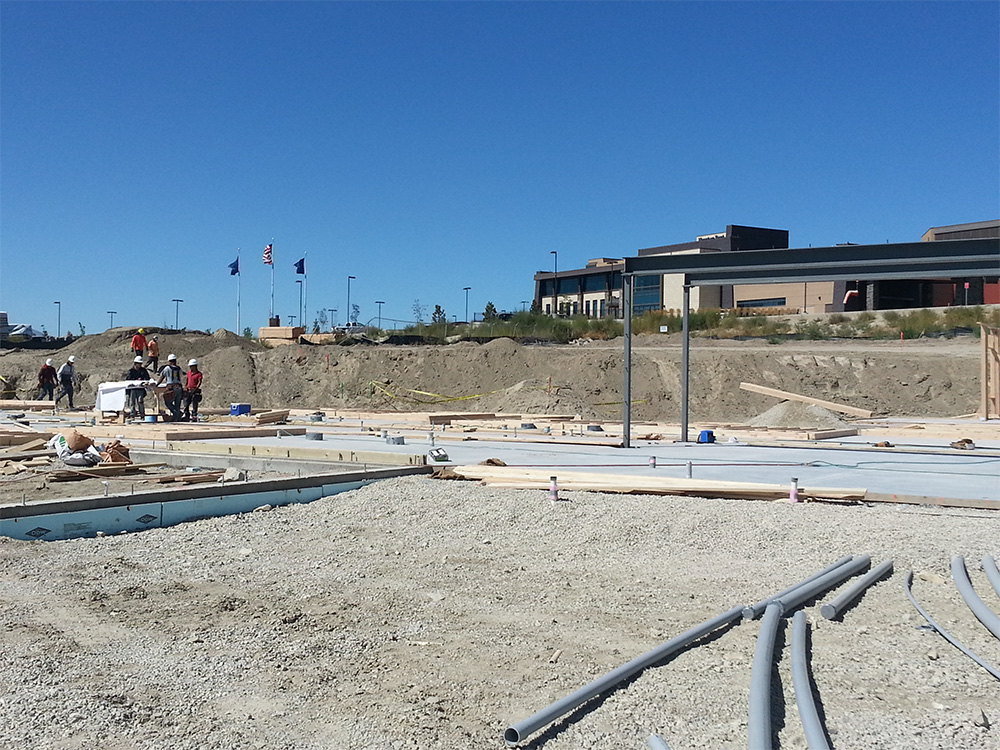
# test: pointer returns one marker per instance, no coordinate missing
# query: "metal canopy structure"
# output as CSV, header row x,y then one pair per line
x,y
959,259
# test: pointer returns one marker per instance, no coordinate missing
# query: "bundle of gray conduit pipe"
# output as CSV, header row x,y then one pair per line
x,y
519,731
759,718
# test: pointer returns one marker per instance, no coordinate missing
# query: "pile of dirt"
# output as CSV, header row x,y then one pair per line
x,y
797,415
923,379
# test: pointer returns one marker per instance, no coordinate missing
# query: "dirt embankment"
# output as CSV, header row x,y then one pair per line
x,y
930,378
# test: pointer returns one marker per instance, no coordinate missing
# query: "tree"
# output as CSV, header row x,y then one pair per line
x,y
438,315
355,312
418,311
490,313
83,331
247,333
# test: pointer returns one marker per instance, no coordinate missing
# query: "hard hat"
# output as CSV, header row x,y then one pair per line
x,y
172,358
156,338
141,330
137,359
49,362
192,363
72,358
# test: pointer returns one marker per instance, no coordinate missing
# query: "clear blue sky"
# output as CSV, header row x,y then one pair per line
x,y
425,147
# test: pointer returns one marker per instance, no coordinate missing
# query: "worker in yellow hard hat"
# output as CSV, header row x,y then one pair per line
x,y
138,344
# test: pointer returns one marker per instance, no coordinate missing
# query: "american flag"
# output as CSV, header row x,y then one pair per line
x,y
267,256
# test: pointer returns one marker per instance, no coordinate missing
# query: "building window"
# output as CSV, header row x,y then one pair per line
x,y
772,302
548,309
602,308
648,294
586,307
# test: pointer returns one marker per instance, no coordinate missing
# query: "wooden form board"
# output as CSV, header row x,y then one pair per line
x,y
13,403
304,454
632,484
788,396
21,438
989,399
180,431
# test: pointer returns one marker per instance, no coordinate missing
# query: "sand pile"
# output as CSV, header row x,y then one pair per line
x,y
795,414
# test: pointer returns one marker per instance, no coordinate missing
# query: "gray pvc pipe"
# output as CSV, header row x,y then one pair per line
x,y
752,612
907,587
807,591
990,568
759,716
656,742
811,724
838,605
983,613
517,732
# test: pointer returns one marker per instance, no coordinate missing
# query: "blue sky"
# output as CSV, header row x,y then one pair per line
x,y
426,147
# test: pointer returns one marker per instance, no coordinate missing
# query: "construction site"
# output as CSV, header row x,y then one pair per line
x,y
388,546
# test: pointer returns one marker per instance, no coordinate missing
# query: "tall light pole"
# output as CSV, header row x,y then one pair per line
x,y
379,302
555,281
58,318
333,316
299,282
112,313
466,290
349,298
177,312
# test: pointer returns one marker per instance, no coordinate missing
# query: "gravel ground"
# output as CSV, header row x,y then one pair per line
x,y
425,614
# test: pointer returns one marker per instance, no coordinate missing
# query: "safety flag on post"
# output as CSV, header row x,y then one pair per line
x,y
267,256
300,266
234,267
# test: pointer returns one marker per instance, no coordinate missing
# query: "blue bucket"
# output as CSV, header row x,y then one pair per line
x,y
150,418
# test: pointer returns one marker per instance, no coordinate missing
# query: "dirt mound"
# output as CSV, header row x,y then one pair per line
x,y
795,414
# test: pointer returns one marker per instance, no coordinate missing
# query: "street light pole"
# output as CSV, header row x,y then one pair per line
x,y
555,281
349,298
299,282
177,312
379,303
58,318
112,314
467,288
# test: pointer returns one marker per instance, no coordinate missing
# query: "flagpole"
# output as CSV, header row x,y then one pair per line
x,y
305,288
272,278
239,279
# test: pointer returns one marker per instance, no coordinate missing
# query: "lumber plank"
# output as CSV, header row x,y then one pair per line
x,y
604,482
305,454
14,403
789,396
942,502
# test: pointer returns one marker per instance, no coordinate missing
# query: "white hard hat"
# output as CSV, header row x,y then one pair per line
x,y
49,362
172,357
72,358
137,359
192,363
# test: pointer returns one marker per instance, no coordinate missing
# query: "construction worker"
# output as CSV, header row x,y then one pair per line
x,y
171,375
192,391
135,393
66,374
153,348
138,344
47,380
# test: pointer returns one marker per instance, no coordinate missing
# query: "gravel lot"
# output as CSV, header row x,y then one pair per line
x,y
425,614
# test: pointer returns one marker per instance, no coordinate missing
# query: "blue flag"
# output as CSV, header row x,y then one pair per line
x,y
234,267
300,266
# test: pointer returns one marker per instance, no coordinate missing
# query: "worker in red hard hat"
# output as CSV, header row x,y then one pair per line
x,y
192,391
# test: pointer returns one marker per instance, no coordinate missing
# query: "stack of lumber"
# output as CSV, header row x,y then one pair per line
x,y
189,477
271,417
70,474
516,478
27,456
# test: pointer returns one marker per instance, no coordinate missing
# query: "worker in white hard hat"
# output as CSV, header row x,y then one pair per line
x,y
67,374
192,391
138,344
47,381
171,376
135,391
